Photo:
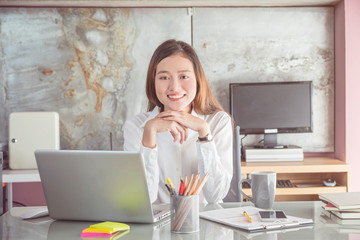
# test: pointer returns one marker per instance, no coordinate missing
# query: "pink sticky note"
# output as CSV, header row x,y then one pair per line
x,y
86,234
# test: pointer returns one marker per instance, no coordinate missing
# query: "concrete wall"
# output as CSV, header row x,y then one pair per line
x,y
89,64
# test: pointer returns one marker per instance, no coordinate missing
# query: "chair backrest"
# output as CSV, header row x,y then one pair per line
x,y
234,194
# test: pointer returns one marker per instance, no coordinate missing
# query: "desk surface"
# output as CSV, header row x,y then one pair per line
x,y
12,227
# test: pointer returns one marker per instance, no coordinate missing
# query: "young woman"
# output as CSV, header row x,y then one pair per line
x,y
186,131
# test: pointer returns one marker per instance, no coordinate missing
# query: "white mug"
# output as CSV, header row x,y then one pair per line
x,y
263,188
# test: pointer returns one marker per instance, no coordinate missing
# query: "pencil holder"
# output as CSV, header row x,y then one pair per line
x,y
184,213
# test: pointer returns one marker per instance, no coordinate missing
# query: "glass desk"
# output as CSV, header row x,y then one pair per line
x,y
12,227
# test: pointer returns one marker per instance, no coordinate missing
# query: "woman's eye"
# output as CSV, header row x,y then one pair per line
x,y
184,77
164,78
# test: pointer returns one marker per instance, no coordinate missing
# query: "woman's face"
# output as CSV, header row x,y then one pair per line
x,y
175,83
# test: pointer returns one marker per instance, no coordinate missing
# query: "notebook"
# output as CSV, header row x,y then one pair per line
x,y
235,217
343,200
97,186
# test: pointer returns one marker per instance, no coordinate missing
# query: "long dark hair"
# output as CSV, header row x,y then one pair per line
x,y
204,101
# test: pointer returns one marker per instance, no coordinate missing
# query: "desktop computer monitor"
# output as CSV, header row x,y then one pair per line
x,y
270,108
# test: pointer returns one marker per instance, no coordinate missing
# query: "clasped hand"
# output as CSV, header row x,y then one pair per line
x,y
175,122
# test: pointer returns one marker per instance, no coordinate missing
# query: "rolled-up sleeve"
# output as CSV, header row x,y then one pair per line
x,y
216,159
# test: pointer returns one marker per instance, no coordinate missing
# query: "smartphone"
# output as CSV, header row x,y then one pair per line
x,y
272,216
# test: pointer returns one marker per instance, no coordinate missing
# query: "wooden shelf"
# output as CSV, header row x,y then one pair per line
x,y
303,191
309,165
313,170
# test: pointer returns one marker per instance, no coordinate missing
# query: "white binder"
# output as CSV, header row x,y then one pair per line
x,y
29,131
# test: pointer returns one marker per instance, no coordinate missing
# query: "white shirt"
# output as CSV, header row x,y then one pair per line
x,y
175,160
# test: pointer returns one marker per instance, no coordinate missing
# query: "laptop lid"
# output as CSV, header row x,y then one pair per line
x,y
95,185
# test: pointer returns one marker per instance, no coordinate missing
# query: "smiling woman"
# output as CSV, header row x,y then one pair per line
x,y
186,131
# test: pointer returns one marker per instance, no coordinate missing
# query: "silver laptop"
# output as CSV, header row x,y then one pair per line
x,y
97,186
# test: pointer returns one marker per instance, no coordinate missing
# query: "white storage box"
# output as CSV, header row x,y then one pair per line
x,y
29,131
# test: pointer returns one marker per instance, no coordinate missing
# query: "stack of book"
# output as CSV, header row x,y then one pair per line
x,y
342,208
279,153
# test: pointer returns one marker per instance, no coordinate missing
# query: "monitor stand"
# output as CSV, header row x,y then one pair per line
x,y
270,141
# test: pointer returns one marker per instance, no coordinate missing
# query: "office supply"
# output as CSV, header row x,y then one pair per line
x,y
330,207
171,185
234,218
184,213
187,187
343,217
347,214
113,226
181,189
201,184
346,200
97,230
247,216
185,182
29,131
105,236
185,207
194,184
338,220
97,186
95,234
169,189
107,229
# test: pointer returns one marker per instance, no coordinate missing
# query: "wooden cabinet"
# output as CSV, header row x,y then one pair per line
x,y
311,171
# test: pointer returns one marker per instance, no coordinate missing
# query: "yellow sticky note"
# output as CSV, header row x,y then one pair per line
x,y
114,226
119,234
97,230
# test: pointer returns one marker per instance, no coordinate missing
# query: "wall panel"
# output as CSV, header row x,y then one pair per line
x,y
89,64
268,45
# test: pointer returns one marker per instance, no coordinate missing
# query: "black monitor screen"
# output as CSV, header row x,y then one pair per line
x,y
281,106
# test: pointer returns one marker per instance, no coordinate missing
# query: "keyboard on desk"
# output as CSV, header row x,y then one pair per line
x,y
279,184
284,184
